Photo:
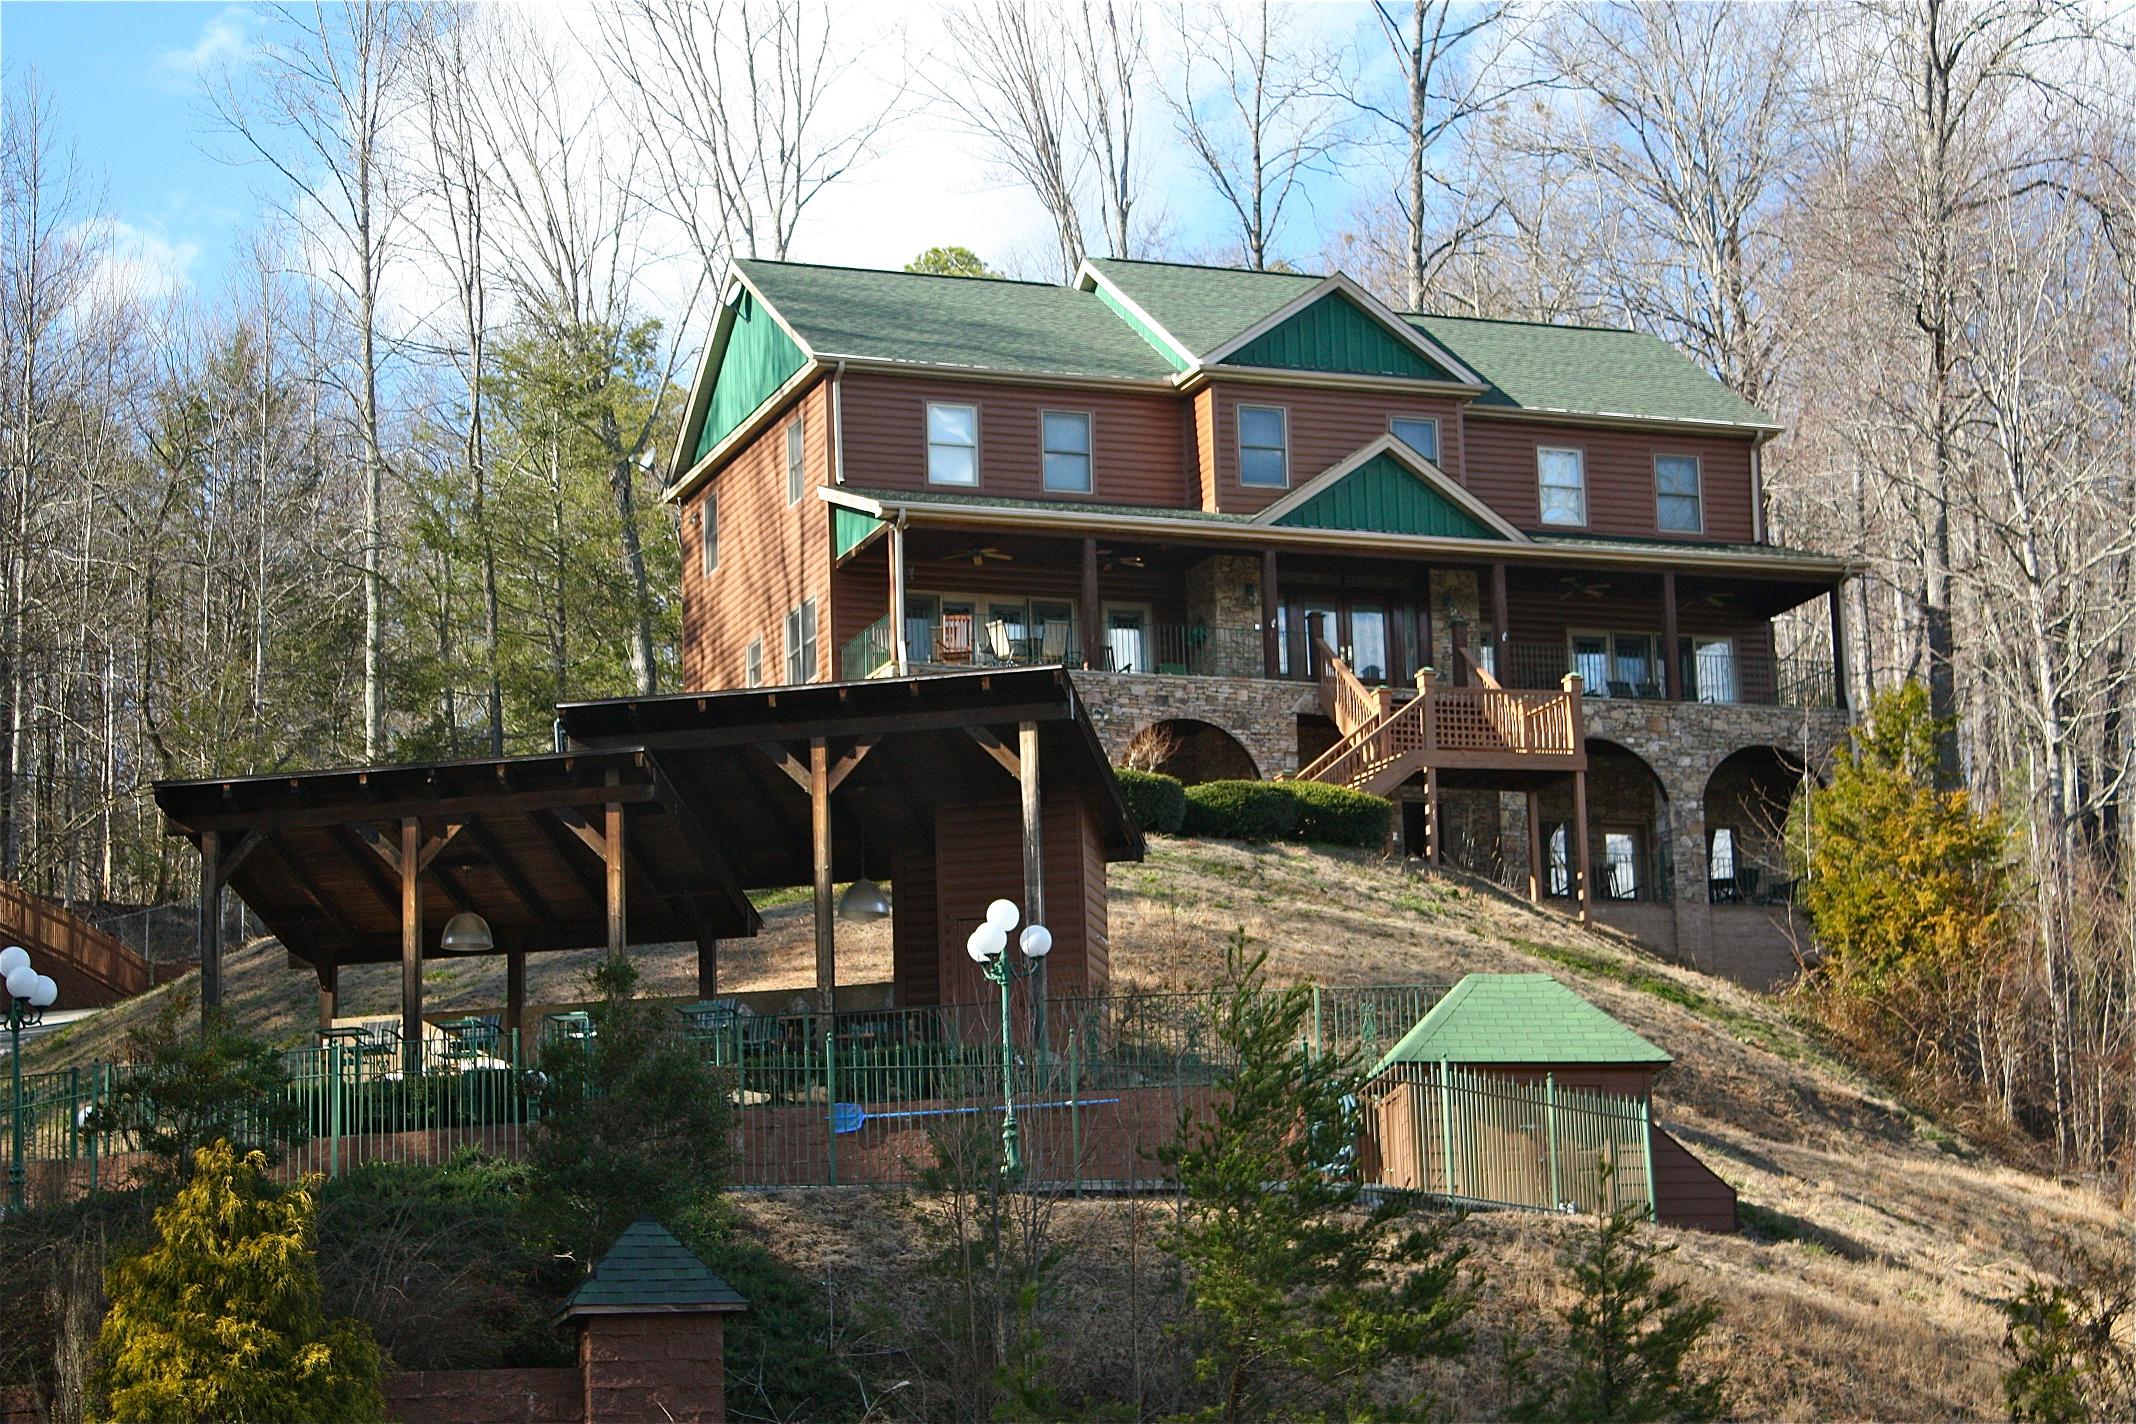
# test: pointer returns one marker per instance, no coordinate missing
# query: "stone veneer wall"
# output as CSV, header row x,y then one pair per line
x,y
1224,592
1259,713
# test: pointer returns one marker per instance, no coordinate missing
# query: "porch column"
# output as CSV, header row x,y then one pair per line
x,y
707,967
1427,650
819,809
211,882
1271,610
411,874
1498,621
1535,848
515,991
612,864
329,993
1840,691
1093,634
1433,840
898,651
1672,666
1579,835
1034,870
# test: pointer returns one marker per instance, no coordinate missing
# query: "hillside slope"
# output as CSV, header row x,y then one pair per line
x,y
1877,1240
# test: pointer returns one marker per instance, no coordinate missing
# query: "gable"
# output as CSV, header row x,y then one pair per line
x,y
1335,334
850,529
759,357
1384,496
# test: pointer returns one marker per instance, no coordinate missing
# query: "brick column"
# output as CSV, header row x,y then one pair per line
x,y
664,1366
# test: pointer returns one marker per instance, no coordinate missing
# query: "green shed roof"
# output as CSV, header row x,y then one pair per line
x,y
1588,370
1519,1018
648,1269
978,322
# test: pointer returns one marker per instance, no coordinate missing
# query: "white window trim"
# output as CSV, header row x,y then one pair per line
x,y
1579,453
800,621
1438,434
753,663
1238,440
927,435
708,534
1697,495
1090,454
796,464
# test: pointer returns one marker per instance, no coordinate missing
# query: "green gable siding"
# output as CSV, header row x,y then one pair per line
x,y
848,528
1335,334
1142,329
759,358
1383,497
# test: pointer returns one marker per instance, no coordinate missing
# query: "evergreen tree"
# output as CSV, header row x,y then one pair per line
x,y
1301,1292
219,1321
1627,1339
951,261
196,1082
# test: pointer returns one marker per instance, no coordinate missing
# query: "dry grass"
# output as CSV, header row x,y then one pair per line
x,y
1877,1239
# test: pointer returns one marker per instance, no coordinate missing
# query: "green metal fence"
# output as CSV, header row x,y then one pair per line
x,y
858,1096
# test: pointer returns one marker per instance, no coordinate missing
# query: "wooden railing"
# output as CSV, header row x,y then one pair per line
x,y
1455,723
53,932
1344,696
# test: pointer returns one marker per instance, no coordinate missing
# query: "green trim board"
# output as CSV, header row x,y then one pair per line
x,y
1203,307
1384,496
649,1270
1334,334
757,359
1141,328
850,529
1519,1018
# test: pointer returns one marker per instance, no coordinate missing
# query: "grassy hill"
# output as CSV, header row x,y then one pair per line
x,y
1877,1240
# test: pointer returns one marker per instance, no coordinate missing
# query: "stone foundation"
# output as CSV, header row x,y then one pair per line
x,y
1259,713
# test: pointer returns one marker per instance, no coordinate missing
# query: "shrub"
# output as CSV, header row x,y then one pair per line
x,y
194,1085
1336,815
1157,802
220,1319
1241,810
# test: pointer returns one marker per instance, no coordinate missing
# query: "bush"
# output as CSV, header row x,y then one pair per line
x,y
1336,815
198,1082
1157,802
1242,810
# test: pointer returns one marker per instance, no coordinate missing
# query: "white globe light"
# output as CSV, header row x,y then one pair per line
x,y
987,942
20,981
1003,915
12,958
1036,941
45,994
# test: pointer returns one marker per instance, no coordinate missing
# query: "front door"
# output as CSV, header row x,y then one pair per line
x,y
1366,650
1127,639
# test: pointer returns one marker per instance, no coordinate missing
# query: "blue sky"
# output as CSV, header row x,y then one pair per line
x,y
126,81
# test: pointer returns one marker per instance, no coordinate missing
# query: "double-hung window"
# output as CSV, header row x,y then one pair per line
x,y
1420,435
1065,436
753,663
1264,446
1676,495
708,532
952,444
801,643
796,472
1562,478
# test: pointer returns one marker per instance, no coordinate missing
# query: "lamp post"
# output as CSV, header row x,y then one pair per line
x,y
989,949
29,994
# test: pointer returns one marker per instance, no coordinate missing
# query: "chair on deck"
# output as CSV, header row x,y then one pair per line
x,y
1000,647
953,638
1053,641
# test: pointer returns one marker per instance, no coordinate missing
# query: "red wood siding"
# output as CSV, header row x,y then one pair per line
x,y
1549,612
1686,1191
1620,476
1135,438
979,859
1325,426
772,556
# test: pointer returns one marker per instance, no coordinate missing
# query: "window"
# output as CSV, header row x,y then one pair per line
x,y
1635,666
1264,446
1065,434
796,478
1676,501
1620,864
952,444
1557,858
801,643
1563,477
1420,435
1708,668
1590,659
1721,854
708,532
753,664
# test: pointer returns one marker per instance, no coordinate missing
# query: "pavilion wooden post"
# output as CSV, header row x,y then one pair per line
x,y
612,863
411,875
819,807
707,959
1034,870
329,993
1271,612
901,654
1093,633
1672,666
211,883
1535,848
1840,692
515,991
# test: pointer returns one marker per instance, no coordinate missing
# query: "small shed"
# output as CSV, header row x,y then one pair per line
x,y
651,1342
1498,1038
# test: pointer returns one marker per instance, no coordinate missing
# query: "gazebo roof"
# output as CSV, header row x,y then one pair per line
x,y
646,1271
1519,1018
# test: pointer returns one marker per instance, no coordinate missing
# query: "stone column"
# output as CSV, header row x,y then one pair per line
x,y
665,1366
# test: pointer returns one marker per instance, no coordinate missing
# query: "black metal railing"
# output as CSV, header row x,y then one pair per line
x,y
1713,675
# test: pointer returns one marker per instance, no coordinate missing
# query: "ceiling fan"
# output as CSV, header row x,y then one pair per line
x,y
1573,585
1109,559
979,553
1717,600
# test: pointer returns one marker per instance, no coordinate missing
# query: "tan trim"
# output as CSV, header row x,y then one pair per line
x,y
927,444
1238,445
1540,416
759,420
1410,460
1087,274
1090,455
1581,452
1698,489
1336,282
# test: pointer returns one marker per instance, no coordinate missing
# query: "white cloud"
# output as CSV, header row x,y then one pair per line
x,y
136,263
222,39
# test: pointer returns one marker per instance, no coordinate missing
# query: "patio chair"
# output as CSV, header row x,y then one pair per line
x,y
953,638
1000,647
1053,639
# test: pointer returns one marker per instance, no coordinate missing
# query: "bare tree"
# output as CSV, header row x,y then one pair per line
x,y
1253,99
1110,43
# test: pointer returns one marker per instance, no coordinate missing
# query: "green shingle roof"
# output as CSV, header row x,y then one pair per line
x,y
1587,370
1519,1018
649,1269
954,321
1203,306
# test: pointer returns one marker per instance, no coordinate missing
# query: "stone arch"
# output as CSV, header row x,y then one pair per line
x,y
1744,806
1628,826
1193,750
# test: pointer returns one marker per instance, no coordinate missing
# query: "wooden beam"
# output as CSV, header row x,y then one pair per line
x,y
707,958
359,852
1271,613
612,860
594,838
567,854
1034,870
1433,840
329,993
786,761
704,849
843,767
521,889
235,853
994,748
1535,848
901,656
1672,666
1498,621
1093,630
819,808
411,849
1579,832
211,883
1841,693
515,993
457,807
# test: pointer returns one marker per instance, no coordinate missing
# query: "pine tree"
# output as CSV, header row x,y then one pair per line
x,y
1301,1293
220,1322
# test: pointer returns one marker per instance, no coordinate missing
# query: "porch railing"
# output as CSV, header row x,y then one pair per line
x,y
1709,675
